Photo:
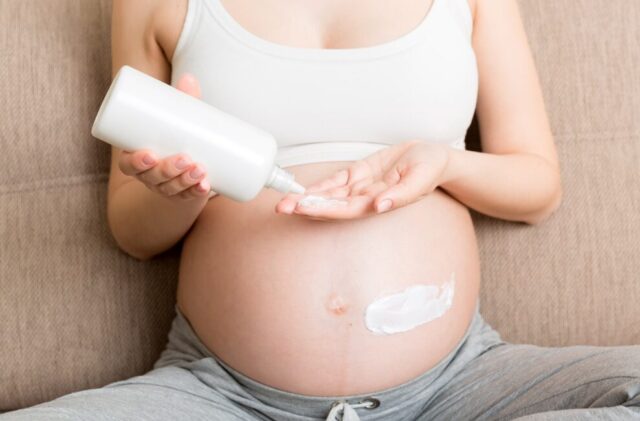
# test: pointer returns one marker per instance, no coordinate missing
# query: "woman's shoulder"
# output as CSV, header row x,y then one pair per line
x,y
472,6
167,20
151,21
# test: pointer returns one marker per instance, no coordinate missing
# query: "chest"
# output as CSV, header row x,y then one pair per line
x,y
328,24
365,72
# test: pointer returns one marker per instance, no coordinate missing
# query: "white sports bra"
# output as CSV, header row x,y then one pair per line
x,y
338,104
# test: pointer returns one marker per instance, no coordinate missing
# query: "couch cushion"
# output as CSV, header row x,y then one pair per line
x,y
75,312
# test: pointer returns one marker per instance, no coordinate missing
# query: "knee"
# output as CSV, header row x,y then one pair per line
x,y
619,361
620,366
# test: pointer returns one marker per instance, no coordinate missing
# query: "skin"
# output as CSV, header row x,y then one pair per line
x,y
278,291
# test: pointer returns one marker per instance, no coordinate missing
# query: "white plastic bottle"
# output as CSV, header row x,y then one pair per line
x,y
141,112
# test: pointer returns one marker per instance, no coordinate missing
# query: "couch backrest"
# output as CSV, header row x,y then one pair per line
x,y
76,312
575,279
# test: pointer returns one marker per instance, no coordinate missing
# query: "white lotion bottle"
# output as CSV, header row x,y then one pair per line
x,y
141,112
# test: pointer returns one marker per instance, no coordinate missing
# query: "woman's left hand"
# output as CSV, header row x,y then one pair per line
x,y
398,175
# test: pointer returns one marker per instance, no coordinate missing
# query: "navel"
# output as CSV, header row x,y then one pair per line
x,y
336,304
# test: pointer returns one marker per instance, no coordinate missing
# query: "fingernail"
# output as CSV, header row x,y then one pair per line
x,y
385,205
196,172
181,164
202,187
148,160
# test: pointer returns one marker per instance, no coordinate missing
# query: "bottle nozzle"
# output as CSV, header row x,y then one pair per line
x,y
283,181
297,188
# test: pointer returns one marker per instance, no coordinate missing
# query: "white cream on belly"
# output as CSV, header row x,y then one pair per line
x,y
416,305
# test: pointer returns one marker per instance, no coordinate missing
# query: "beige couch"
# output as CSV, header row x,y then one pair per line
x,y
76,312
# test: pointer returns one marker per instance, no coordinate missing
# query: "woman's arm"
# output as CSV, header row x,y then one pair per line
x,y
517,176
143,223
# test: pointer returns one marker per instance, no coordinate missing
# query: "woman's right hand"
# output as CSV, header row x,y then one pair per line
x,y
176,176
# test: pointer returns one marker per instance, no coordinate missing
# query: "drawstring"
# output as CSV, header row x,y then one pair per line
x,y
348,410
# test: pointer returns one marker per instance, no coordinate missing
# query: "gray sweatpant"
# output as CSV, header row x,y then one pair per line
x,y
484,378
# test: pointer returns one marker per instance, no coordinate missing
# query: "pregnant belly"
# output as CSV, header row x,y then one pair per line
x,y
282,298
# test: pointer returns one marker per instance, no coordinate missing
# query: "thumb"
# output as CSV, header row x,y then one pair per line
x,y
190,85
414,182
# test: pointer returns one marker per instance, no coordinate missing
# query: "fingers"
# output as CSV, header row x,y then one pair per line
x,y
197,190
417,173
363,172
372,190
338,179
190,85
194,176
411,185
176,175
359,170
358,187
133,163
172,176
390,178
165,170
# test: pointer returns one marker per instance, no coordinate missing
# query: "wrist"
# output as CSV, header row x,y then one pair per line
x,y
450,171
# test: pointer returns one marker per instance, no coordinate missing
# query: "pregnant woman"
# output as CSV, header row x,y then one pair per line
x,y
367,309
